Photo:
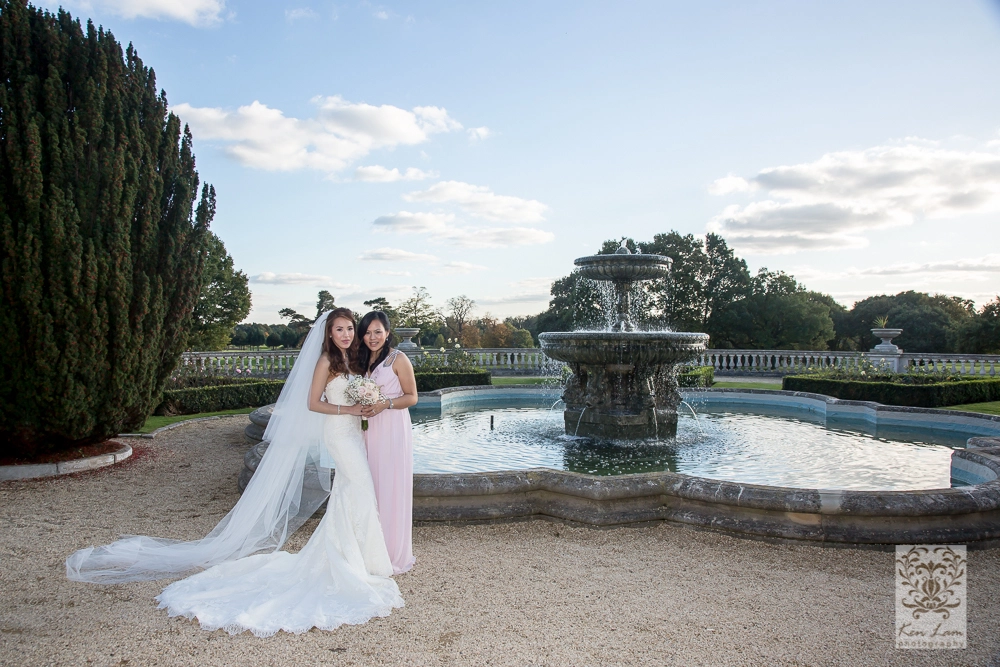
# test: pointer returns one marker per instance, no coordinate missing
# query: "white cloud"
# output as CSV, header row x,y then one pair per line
x,y
442,227
988,264
979,268
379,174
531,290
479,133
479,200
405,274
394,255
497,237
834,202
195,12
269,278
404,221
453,268
340,133
300,13
382,15
728,184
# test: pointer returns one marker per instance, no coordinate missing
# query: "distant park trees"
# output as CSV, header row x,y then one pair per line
x,y
712,290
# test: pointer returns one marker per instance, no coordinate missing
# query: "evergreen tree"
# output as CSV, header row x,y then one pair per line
x,y
101,244
381,303
223,302
324,302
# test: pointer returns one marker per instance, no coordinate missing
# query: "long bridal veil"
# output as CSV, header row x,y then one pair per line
x,y
291,482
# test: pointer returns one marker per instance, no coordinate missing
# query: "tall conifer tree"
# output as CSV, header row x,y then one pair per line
x,y
101,242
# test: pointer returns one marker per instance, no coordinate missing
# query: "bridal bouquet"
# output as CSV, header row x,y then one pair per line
x,y
364,391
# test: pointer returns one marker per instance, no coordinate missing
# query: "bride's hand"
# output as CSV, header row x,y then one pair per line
x,y
355,410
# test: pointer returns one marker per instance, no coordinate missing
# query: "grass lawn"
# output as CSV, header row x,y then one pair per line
x,y
154,422
746,385
991,408
522,380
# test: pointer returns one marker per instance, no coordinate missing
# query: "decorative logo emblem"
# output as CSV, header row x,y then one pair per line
x,y
930,596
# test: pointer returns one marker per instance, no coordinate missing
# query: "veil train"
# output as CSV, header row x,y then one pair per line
x,y
291,482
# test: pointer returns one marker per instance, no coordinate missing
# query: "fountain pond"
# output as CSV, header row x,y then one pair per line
x,y
773,464
611,447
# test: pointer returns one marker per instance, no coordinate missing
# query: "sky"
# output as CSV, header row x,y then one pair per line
x,y
478,148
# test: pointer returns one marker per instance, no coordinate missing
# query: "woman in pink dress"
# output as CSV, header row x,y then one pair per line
x,y
390,436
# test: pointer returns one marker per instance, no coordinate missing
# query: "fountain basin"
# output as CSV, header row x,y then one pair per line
x,y
969,514
624,382
624,267
623,347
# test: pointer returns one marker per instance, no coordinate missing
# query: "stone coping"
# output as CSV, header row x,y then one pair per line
x,y
37,470
968,514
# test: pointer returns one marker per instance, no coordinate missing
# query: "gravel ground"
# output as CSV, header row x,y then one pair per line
x,y
531,593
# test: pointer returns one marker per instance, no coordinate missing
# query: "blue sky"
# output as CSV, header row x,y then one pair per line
x,y
477,148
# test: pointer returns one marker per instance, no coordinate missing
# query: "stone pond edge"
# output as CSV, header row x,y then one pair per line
x,y
968,514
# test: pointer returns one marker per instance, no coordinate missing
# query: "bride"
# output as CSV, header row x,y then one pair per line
x,y
342,575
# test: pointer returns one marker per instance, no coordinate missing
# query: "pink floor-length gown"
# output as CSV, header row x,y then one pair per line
x,y
390,456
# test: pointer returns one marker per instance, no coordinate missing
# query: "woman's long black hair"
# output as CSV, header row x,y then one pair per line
x,y
364,354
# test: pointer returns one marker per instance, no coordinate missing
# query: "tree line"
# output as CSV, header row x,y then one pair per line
x,y
711,290
453,325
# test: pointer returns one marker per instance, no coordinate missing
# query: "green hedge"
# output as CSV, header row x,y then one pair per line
x,y
896,393
226,397
432,381
699,376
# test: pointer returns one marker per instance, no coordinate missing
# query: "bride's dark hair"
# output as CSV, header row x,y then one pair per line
x,y
332,352
365,360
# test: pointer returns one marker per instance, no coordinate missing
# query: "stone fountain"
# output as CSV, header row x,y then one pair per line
x,y
624,382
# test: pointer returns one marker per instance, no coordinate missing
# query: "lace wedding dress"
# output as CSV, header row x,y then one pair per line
x,y
342,575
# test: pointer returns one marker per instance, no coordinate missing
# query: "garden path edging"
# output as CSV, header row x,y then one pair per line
x,y
40,470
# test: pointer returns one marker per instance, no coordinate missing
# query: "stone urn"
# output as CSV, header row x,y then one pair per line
x,y
886,346
406,333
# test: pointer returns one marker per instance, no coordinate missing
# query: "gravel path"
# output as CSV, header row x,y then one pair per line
x,y
532,593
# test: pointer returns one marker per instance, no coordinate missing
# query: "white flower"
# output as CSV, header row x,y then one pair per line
x,y
457,346
442,349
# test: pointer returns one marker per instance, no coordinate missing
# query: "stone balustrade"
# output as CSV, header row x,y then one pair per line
x,y
531,361
986,365
264,364
775,362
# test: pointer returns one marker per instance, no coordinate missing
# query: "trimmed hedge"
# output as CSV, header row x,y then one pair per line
x,y
432,381
224,397
700,376
896,393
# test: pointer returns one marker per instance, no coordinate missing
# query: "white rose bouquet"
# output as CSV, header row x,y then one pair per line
x,y
364,391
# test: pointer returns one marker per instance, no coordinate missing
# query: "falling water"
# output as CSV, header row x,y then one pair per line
x,y
577,429
695,415
557,403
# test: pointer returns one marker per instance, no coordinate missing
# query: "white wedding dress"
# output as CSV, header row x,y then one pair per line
x,y
342,575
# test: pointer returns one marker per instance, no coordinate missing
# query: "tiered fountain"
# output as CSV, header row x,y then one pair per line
x,y
624,382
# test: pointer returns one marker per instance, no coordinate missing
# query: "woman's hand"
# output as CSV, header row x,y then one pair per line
x,y
370,411
355,410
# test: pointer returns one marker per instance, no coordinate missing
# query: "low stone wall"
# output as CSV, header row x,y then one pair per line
x,y
961,515
967,515
36,470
